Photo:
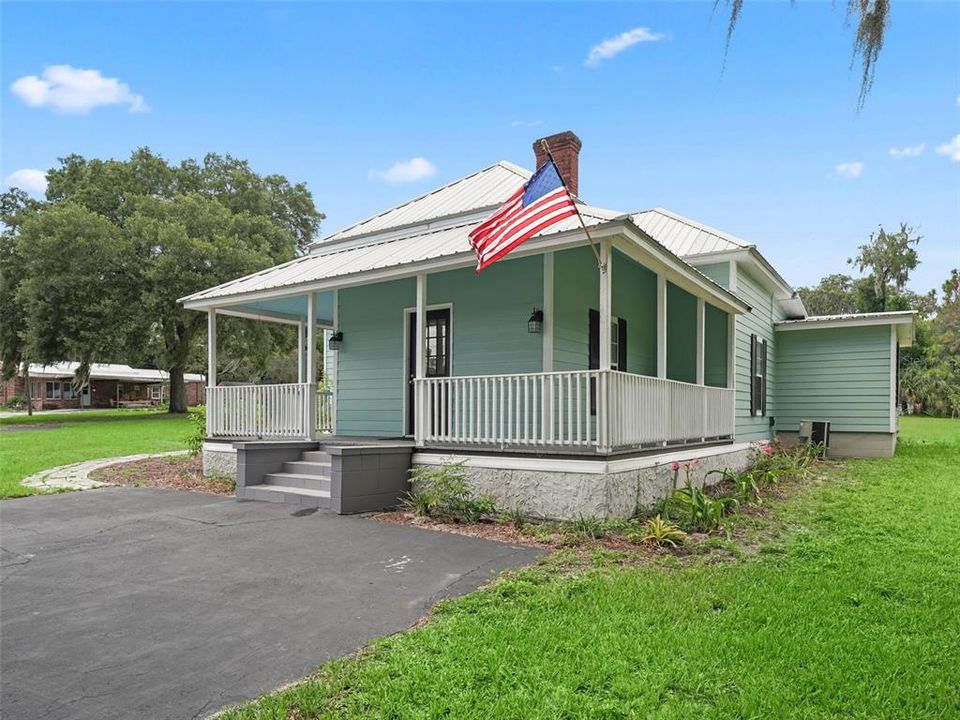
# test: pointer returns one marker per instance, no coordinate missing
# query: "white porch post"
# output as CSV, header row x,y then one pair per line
x,y
311,379
731,350
420,406
331,371
661,326
548,312
606,283
211,348
546,411
301,351
212,407
701,321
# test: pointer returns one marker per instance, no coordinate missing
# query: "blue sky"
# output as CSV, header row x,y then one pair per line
x,y
772,148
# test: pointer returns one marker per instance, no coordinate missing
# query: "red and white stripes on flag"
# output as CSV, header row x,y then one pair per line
x,y
542,202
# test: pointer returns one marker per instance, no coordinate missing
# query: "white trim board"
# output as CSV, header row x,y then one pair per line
x,y
568,465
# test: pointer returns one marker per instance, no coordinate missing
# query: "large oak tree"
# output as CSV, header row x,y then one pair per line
x,y
94,273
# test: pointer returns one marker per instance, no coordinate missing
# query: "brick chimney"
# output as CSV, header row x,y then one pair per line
x,y
565,148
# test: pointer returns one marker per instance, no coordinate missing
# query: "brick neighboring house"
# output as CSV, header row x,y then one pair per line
x,y
110,385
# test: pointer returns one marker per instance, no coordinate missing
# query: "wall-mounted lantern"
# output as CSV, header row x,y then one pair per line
x,y
535,323
335,341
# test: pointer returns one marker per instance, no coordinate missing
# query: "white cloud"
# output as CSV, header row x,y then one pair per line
x,y
616,45
29,179
74,90
908,152
405,171
950,149
850,169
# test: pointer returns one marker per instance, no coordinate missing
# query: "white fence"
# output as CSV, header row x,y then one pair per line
x,y
586,409
259,411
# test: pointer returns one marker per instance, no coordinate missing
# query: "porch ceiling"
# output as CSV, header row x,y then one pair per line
x,y
289,309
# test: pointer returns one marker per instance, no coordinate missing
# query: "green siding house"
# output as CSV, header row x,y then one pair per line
x,y
569,376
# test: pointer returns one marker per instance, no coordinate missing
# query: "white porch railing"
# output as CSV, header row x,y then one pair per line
x,y
259,411
602,410
325,412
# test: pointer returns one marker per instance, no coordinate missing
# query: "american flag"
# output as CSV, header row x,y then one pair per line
x,y
542,202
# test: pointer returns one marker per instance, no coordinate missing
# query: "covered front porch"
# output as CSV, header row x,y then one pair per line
x,y
627,352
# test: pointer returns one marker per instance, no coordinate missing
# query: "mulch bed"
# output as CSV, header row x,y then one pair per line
x,y
172,473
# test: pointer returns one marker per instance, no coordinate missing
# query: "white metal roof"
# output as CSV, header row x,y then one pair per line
x,y
107,371
337,261
683,236
904,320
485,189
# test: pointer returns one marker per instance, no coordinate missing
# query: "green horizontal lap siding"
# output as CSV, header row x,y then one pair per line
x,y
576,289
715,355
634,298
370,373
681,334
759,321
836,374
490,313
718,272
576,281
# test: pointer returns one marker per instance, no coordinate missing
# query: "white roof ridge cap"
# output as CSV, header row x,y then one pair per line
x,y
501,163
700,226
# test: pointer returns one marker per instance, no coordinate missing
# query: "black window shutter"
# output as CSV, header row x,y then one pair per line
x,y
622,344
593,361
753,374
763,375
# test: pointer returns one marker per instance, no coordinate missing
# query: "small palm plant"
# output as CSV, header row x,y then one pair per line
x,y
663,532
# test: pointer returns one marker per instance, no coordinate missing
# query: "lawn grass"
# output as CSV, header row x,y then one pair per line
x,y
850,613
74,437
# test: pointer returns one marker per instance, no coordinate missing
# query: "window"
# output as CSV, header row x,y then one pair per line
x,y
68,391
156,392
34,389
758,376
53,391
618,342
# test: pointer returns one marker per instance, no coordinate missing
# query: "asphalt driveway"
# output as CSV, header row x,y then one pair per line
x,y
122,602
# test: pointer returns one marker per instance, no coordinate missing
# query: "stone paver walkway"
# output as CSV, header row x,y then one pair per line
x,y
77,475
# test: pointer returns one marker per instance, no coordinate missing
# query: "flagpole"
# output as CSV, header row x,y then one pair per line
x,y
600,264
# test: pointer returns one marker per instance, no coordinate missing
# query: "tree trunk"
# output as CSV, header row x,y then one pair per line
x,y
27,388
178,392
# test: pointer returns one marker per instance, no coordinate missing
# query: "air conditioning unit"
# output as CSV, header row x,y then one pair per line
x,y
815,432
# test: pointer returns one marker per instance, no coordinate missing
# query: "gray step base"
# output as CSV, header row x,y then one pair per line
x,y
318,456
303,467
297,480
303,497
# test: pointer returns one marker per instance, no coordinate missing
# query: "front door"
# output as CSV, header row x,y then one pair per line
x,y
85,396
438,353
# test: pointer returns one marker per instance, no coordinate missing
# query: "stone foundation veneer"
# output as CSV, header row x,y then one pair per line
x,y
565,489
219,458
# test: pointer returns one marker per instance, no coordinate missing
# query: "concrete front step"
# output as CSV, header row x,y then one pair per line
x,y
317,456
304,497
303,467
298,480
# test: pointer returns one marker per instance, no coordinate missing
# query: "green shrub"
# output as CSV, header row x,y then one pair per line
x,y
515,516
703,512
662,532
586,528
198,429
746,489
17,402
442,493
